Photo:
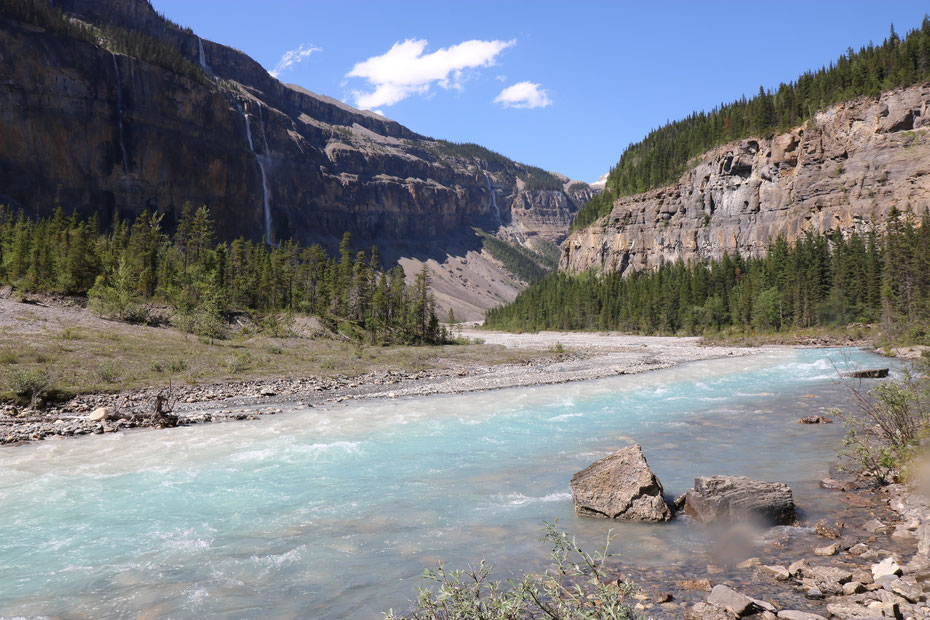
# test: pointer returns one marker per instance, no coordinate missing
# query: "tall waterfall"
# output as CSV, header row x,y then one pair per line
x,y
203,60
119,113
260,160
494,207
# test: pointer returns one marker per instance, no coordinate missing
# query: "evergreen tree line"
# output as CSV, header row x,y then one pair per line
x,y
124,270
820,280
663,155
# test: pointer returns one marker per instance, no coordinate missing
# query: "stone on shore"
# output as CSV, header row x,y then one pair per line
x,y
728,499
884,568
793,614
734,602
620,486
101,413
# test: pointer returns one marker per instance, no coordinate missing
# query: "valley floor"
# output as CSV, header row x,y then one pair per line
x,y
104,363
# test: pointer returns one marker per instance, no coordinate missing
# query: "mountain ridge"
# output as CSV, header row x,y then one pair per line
x,y
97,130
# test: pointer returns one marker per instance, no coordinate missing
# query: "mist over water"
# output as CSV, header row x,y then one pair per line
x,y
335,512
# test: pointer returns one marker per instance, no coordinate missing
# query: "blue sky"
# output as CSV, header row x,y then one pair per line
x,y
583,79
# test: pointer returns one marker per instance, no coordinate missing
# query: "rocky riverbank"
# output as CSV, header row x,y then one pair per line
x,y
869,561
581,357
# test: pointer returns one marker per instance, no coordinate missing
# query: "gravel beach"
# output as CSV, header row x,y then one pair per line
x,y
567,357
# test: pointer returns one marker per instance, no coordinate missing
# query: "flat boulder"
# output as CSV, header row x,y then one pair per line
x,y
620,486
733,499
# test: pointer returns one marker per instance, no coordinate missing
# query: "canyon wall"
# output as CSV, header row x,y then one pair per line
x,y
843,170
103,132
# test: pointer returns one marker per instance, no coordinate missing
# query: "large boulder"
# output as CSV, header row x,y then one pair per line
x,y
731,499
620,486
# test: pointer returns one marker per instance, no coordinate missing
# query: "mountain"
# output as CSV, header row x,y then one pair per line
x,y
845,169
109,107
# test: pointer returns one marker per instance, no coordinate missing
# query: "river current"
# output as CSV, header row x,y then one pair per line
x,y
334,512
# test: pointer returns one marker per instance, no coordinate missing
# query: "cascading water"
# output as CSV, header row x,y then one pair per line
x,y
119,112
260,160
203,61
494,207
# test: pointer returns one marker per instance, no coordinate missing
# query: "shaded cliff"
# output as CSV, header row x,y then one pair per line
x,y
88,127
843,170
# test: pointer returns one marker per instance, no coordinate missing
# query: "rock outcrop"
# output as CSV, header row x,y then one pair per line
x,y
620,486
732,499
843,170
99,131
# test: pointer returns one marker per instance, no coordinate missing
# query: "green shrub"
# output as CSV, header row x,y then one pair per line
x,y
576,586
29,384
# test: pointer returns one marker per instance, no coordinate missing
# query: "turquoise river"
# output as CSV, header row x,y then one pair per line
x,y
334,512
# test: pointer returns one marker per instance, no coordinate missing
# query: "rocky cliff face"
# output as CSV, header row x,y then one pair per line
x,y
845,170
104,132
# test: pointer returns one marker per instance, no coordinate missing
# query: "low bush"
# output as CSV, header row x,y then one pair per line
x,y
576,586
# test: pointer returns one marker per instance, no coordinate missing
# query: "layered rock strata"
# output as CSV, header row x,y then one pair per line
x,y
844,170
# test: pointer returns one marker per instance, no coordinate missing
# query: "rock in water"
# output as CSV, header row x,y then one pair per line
x,y
620,486
737,498
874,373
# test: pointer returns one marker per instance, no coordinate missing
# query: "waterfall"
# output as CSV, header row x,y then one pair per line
x,y
119,113
496,209
248,131
260,160
203,60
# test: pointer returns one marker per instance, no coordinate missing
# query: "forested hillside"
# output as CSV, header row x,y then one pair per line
x,y
137,264
664,154
820,280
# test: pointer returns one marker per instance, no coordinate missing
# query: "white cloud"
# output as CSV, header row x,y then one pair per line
x,y
405,70
526,95
292,57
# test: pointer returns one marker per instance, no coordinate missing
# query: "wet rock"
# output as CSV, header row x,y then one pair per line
x,y
873,373
813,593
730,499
797,568
731,600
875,527
838,485
706,611
901,532
828,574
815,419
827,550
884,568
780,573
620,486
694,584
858,549
826,530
